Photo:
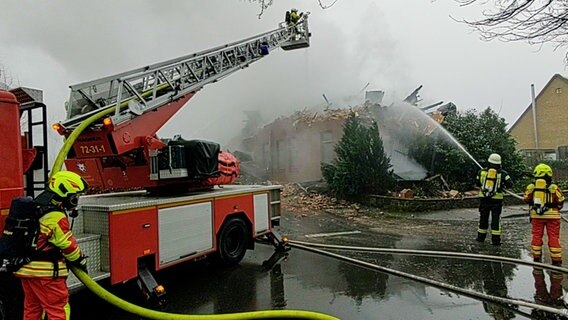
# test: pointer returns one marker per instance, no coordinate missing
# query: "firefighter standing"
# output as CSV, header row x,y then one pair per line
x,y
545,199
44,277
491,181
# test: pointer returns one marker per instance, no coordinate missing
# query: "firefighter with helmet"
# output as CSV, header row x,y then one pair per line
x,y
292,18
491,181
44,277
545,200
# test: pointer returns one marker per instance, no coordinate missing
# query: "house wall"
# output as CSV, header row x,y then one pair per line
x,y
551,115
292,151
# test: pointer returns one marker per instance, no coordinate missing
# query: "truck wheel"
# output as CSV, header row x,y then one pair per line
x,y
11,298
232,242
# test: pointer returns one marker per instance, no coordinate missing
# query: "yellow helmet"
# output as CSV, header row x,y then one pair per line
x,y
542,170
67,183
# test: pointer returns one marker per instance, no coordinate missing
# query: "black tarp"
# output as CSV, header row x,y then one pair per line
x,y
201,157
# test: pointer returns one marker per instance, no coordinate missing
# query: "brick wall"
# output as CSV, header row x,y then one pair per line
x,y
291,151
551,115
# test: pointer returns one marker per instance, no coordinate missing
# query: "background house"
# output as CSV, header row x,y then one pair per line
x,y
292,148
549,141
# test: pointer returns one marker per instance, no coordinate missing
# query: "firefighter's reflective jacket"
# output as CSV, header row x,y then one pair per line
x,y
492,181
545,199
55,244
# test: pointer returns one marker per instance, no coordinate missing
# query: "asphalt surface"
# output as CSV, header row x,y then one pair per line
x,y
308,281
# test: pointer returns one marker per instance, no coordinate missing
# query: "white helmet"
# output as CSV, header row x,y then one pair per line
x,y
494,159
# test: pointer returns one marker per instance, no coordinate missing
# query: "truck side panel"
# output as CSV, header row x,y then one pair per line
x,y
233,204
185,231
132,234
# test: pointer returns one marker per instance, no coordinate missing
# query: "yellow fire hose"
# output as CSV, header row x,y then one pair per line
x,y
153,314
158,315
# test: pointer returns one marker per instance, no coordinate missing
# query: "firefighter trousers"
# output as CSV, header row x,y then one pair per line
x,y
491,208
552,227
46,295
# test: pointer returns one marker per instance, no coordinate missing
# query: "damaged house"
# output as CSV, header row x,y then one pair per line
x,y
291,149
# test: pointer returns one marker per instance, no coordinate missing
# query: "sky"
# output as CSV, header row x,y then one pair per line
x,y
395,46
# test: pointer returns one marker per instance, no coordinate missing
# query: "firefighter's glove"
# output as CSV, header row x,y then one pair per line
x,y
80,263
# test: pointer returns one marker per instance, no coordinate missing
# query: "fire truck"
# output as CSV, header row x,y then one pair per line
x,y
153,202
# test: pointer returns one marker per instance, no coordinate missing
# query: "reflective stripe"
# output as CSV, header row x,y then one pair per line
x,y
55,234
481,230
536,250
41,269
496,232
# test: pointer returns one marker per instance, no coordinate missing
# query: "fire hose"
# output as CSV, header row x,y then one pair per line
x,y
153,314
312,247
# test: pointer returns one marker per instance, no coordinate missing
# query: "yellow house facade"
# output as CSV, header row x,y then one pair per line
x,y
547,136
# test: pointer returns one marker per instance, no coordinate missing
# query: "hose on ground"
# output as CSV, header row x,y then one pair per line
x,y
506,301
152,314
159,315
443,254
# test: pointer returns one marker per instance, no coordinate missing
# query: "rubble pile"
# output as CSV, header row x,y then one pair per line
x,y
444,194
309,117
296,199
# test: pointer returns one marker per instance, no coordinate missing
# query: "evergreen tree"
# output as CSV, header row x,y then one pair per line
x,y
361,166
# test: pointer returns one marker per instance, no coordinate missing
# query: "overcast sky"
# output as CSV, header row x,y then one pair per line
x,y
393,45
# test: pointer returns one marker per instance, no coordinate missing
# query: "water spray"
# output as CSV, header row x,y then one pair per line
x,y
462,148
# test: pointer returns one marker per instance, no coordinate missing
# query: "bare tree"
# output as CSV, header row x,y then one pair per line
x,y
264,4
6,78
535,21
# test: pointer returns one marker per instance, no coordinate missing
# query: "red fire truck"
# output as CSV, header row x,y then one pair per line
x,y
179,204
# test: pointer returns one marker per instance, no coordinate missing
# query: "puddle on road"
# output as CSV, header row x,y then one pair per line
x,y
312,282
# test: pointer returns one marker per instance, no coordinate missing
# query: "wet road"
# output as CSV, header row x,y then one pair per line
x,y
312,282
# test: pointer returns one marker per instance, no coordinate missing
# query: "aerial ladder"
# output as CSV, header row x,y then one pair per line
x,y
120,150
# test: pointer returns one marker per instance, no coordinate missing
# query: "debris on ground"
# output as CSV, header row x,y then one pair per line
x,y
296,199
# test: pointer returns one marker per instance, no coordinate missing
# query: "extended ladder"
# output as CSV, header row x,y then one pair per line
x,y
144,89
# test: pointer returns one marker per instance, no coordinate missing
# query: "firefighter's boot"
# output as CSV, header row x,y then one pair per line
x,y
537,259
557,263
481,237
496,240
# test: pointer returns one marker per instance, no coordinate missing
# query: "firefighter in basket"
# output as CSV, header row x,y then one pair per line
x,y
292,18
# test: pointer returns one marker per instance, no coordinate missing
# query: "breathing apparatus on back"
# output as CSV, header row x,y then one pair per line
x,y
491,180
542,198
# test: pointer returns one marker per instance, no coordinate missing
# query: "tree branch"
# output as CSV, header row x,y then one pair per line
x,y
534,21
264,4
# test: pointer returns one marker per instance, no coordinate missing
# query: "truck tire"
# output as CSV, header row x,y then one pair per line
x,y
232,242
11,297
